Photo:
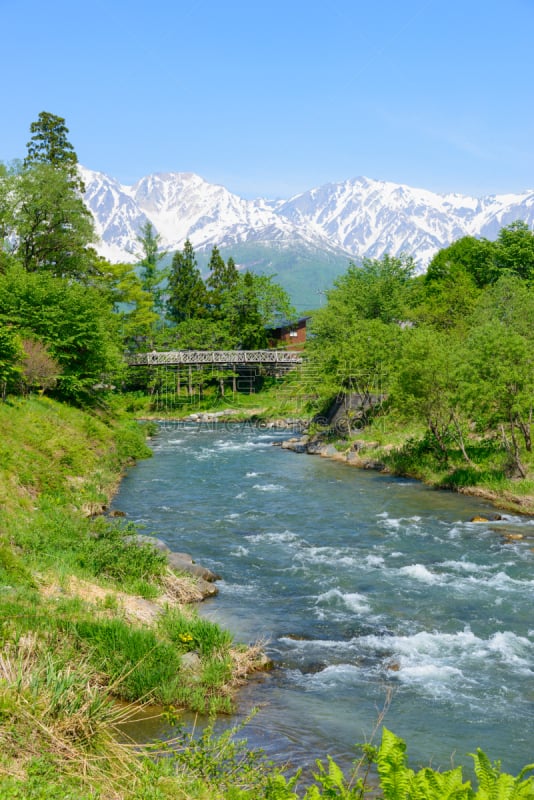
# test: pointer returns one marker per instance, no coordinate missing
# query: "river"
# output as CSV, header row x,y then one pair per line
x,y
362,585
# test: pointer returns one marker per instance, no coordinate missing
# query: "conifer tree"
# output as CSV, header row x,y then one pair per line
x,y
249,321
222,280
50,145
152,276
186,291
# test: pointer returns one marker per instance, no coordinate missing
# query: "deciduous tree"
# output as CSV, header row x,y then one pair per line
x,y
39,369
427,386
51,225
11,355
73,321
468,255
515,250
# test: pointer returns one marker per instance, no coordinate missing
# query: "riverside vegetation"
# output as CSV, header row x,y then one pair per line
x,y
93,623
74,645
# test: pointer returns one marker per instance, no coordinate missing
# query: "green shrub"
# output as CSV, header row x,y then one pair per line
x,y
130,441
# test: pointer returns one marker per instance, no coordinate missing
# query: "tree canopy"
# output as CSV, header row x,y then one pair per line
x,y
50,226
452,351
49,145
230,309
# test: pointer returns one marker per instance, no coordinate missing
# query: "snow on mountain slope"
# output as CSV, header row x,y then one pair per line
x,y
118,218
375,217
500,210
359,217
181,206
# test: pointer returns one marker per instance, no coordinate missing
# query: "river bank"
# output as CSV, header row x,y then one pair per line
x,y
72,596
94,616
373,456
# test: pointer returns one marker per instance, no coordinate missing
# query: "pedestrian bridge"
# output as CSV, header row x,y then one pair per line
x,y
286,358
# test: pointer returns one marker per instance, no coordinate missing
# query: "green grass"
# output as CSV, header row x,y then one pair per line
x,y
137,663
192,632
61,464
111,552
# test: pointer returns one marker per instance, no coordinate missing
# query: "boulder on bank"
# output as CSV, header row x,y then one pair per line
x,y
187,565
140,538
180,562
296,444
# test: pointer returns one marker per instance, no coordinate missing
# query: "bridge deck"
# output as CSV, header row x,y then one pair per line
x,y
282,357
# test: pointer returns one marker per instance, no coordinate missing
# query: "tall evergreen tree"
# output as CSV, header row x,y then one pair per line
x,y
186,291
222,280
249,322
49,145
152,276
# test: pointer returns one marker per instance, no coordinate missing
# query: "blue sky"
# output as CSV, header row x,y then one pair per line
x,y
271,99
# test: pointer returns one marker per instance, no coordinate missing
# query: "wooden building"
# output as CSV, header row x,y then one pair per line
x,y
291,335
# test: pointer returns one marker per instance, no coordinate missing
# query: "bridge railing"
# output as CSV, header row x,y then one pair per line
x,y
155,358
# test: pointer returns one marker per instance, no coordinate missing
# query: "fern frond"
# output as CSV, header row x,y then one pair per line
x,y
432,785
487,775
528,768
335,773
497,785
395,777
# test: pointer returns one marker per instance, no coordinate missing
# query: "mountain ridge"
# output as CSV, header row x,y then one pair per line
x,y
357,217
335,222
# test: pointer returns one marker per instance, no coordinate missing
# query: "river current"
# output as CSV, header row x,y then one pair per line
x,y
363,587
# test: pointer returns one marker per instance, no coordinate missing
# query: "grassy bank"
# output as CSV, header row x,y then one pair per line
x,y
406,449
88,616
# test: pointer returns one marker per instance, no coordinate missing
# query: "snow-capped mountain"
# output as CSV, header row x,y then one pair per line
x,y
359,217
368,217
180,206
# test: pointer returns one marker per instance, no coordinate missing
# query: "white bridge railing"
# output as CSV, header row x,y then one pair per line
x,y
155,358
